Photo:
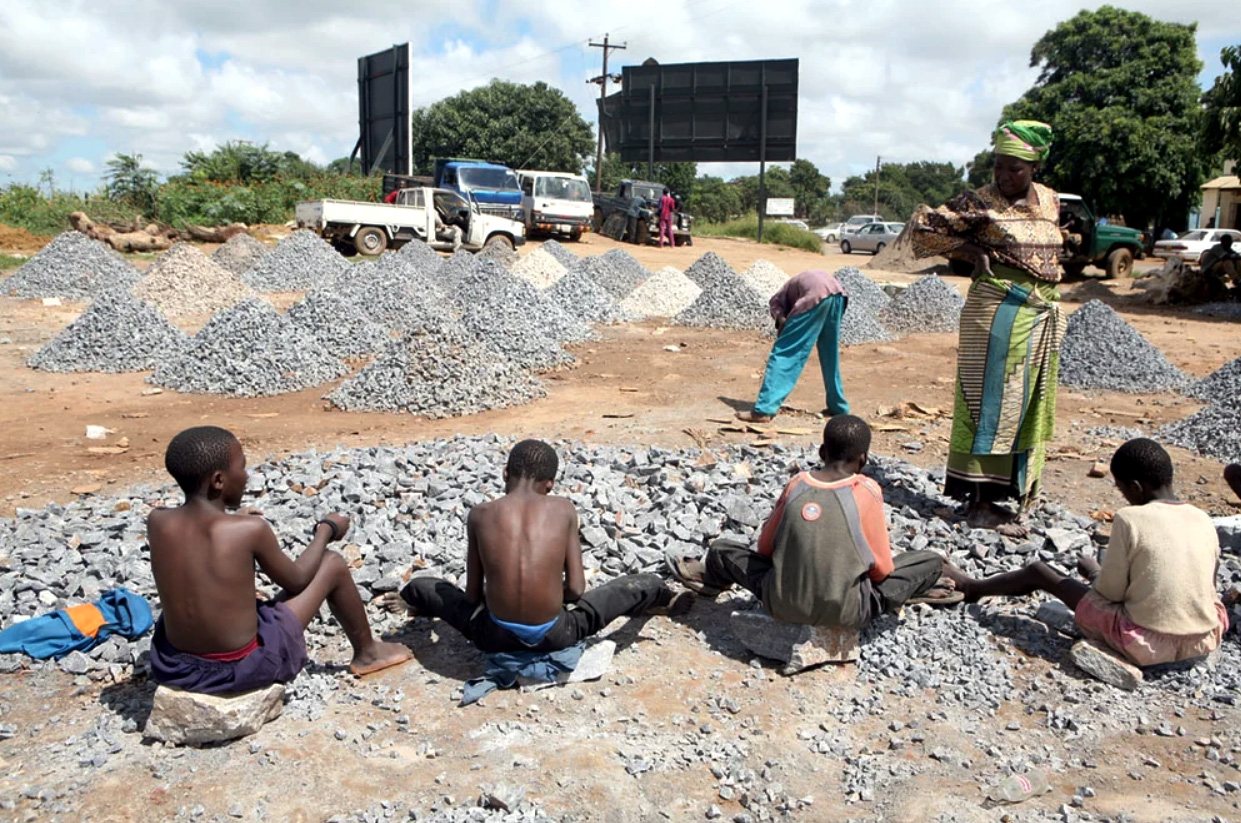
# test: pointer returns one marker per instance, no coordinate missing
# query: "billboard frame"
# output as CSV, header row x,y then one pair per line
x,y
385,130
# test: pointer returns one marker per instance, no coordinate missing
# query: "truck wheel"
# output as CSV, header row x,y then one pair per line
x,y
1119,263
499,240
845,248
880,248
1073,270
575,235
370,241
596,222
644,233
344,248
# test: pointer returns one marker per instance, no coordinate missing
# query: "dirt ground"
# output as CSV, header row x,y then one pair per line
x,y
563,745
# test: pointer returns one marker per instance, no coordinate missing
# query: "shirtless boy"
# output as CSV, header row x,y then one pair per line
x,y
525,589
215,636
1153,599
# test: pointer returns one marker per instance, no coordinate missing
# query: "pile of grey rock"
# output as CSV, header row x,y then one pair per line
x,y
421,256
240,253
502,253
72,267
665,293
345,329
539,269
727,301
250,350
928,305
116,333
579,294
860,323
618,271
563,256
183,281
303,261
1102,351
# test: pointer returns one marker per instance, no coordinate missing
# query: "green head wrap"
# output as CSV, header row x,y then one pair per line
x,y
1024,139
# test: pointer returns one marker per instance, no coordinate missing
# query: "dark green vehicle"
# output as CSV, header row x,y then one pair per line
x,y
1110,248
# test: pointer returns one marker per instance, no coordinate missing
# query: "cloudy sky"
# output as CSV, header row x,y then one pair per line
x,y
905,79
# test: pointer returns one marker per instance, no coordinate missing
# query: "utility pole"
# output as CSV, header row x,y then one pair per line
x,y
602,80
877,159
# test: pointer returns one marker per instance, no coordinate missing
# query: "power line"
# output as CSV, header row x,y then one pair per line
x,y
602,80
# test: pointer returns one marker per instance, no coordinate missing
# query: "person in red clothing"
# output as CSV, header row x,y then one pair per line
x,y
390,197
823,556
666,207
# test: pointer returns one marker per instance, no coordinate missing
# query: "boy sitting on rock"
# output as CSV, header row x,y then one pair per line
x,y
525,590
215,636
1153,599
823,557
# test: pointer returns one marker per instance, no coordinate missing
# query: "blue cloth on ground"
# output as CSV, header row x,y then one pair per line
x,y
55,635
530,635
504,668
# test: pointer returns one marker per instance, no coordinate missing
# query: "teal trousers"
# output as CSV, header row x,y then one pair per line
x,y
820,326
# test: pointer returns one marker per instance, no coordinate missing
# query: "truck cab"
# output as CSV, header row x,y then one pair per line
x,y
611,215
494,187
1087,242
555,202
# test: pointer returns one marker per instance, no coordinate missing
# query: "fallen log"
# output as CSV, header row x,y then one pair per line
x,y
218,234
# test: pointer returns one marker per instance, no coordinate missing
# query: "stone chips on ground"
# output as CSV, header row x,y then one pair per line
x,y
116,333
424,258
665,294
394,293
303,261
72,267
539,269
344,329
563,256
437,374
929,304
727,301
240,253
1102,351
249,351
767,278
619,272
866,300
580,296
183,281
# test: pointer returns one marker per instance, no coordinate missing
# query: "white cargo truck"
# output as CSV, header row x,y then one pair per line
x,y
556,202
370,228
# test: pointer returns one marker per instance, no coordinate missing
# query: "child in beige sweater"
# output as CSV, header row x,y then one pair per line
x,y
1153,599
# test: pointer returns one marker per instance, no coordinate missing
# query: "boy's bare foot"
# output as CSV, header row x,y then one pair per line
x,y
943,593
393,602
1088,567
378,656
754,417
678,604
995,518
961,581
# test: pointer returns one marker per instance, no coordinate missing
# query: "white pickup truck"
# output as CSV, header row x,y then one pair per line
x,y
371,228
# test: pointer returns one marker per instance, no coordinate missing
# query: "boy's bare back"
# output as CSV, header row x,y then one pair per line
x,y
524,556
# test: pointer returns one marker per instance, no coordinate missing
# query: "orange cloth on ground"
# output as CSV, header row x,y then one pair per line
x,y
87,618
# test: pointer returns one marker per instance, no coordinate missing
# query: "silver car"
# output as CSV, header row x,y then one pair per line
x,y
873,237
829,233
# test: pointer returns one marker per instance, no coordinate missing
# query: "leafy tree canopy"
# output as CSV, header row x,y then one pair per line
x,y
242,162
1222,127
714,200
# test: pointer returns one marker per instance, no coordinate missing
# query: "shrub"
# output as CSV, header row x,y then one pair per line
x,y
773,232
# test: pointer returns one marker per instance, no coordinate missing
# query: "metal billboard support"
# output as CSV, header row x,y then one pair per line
x,y
650,157
762,163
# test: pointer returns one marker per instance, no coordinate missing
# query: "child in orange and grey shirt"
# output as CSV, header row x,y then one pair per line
x,y
823,557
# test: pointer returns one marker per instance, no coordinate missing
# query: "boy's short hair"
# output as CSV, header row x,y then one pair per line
x,y
846,437
533,460
1143,460
195,453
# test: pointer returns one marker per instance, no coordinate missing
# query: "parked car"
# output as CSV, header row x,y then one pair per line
x,y
1191,244
872,237
856,222
797,224
829,233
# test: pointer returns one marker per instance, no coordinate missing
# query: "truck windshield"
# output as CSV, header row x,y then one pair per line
x,y
564,188
491,179
647,191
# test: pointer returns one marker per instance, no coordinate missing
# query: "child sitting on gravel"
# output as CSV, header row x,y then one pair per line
x,y
823,557
524,564
1153,599
215,636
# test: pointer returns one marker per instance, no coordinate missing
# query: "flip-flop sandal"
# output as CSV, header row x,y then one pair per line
x,y
950,596
677,568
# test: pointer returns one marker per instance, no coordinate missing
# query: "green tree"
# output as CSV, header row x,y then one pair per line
x,y
713,200
529,127
777,184
679,177
1222,121
614,171
1120,89
810,188
243,162
130,183
979,171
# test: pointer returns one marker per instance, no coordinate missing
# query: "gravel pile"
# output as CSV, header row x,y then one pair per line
x,y
619,272
303,261
72,267
1221,386
184,281
515,319
421,256
437,375
394,293
1232,311
1102,351
240,253
766,278
563,256
665,294
928,305
249,351
866,300
581,296
116,333
539,269
461,266
502,253
727,301
345,330
1213,431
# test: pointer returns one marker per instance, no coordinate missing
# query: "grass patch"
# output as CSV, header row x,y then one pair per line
x,y
8,261
773,232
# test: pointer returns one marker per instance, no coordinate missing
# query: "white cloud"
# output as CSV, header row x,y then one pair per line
x,y
80,165
890,77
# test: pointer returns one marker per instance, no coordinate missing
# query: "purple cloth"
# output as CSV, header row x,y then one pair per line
x,y
803,292
278,659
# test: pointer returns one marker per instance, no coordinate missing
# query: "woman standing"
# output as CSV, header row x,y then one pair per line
x,y
1011,327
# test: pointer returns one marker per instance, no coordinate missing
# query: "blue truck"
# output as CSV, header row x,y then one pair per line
x,y
493,186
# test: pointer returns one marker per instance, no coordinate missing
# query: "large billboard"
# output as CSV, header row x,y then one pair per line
x,y
383,110
704,112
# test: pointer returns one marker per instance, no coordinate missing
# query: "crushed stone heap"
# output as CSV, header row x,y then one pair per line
x,y
665,294
116,333
72,267
1213,431
563,256
421,256
344,329
249,351
303,261
618,271
502,253
539,269
437,374
1102,351
580,295
929,304
1221,386
861,323
727,301
394,293
183,281
709,268
240,253
765,277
